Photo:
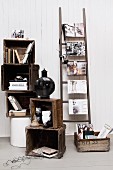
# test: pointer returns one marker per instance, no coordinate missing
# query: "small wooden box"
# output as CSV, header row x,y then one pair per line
x,y
92,145
53,105
37,137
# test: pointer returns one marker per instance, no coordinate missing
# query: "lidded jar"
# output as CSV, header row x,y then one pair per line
x,y
44,86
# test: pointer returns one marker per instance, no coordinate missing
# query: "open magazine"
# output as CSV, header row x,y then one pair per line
x,y
78,106
75,48
73,30
77,86
76,68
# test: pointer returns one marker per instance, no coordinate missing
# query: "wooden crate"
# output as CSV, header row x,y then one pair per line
x,y
23,97
10,71
9,45
37,137
54,105
92,145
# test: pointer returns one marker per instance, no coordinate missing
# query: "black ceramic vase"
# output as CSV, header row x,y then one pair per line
x,y
44,86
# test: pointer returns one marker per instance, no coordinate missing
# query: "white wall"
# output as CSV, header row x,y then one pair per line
x,y
39,19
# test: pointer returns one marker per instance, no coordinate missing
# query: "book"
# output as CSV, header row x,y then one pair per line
x,y
28,50
14,103
105,131
50,155
77,86
18,83
17,112
17,55
13,56
75,48
9,57
76,68
18,88
6,56
78,106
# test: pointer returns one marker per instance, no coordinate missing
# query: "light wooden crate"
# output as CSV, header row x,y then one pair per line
x,y
92,145
53,105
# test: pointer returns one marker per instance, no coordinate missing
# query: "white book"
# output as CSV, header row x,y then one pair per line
x,y
29,48
17,112
78,106
105,131
14,103
21,84
77,86
18,88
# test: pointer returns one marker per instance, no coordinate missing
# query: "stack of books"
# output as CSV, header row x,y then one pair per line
x,y
18,85
46,152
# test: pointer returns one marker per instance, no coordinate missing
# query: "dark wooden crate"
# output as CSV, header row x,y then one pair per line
x,y
23,97
92,145
20,45
54,105
37,137
10,71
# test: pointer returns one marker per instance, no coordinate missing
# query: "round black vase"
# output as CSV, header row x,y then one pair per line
x,y
44,86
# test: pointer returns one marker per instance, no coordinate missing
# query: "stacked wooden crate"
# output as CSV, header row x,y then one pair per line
x,y
51,137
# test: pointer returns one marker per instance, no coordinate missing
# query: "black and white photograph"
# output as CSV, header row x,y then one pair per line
x,y
75,48
69,30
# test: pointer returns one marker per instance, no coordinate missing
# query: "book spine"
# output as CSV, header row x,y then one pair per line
x,y
18,84
6,56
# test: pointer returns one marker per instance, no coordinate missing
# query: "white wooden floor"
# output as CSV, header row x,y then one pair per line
x,y
72,160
